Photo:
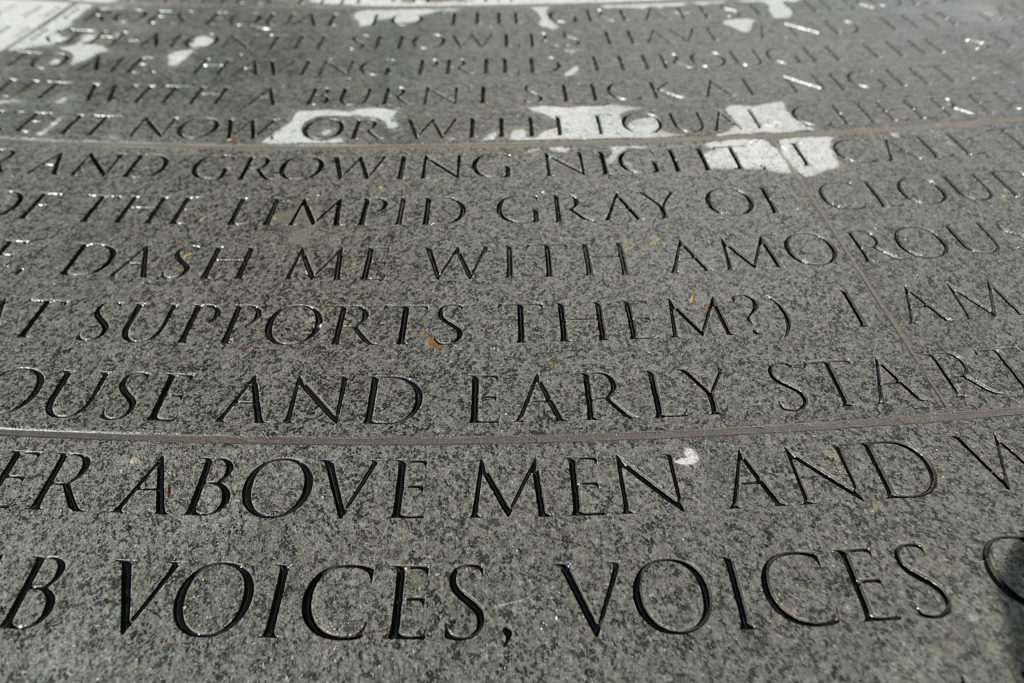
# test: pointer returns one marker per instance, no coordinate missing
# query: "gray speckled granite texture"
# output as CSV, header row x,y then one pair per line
x,y
492,340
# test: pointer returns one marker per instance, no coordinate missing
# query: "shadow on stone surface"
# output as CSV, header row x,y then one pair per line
x,y
1004,561
1015,606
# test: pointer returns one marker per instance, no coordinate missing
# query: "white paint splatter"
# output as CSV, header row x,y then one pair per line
x,y
809,155
456,4
800,27
746,153
741,25
27,25
591,123
177,57
798,81
688,458
778,9
543,18
19,19
646,4
294,132
771,117
572,71
401,17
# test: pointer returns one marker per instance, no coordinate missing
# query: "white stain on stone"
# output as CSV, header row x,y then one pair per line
x,y
294,132
177,57
19,19
740,24
571,71
597,122
544,19
746,153
400,17
778,9
771,117
29,25
456,4
808,156
689,457
646,4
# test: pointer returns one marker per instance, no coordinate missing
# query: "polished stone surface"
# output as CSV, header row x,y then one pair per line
x,y
489,339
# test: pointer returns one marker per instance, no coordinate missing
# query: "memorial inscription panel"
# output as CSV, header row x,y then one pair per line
x,y
646,339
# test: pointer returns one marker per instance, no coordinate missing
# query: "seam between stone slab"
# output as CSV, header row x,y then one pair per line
x,y
511,440
533,144
867,283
